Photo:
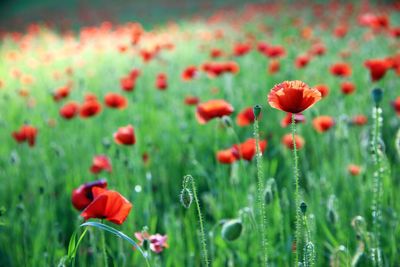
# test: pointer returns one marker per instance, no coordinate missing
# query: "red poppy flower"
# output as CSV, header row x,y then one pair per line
x,y
396,105
90,97
114,100
216,53
213,109
302,61
241,49
359,120
341,69
318,49
323,89
247,150
377,68
26,133
189,73
226,156
287,141
245,117
347,88
69,110
147,55
90,108
82,196
100,163
274,66
323,123
134,74
191,100
125,136
161,81
274,51
127,84
107,204
61,93
341,31
293,96
231,67
354,169
287,120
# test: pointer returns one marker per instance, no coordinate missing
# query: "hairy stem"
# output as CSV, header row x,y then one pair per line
x,y
260,187
297,197
189,179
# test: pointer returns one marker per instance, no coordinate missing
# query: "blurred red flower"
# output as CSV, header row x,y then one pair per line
x,y
26,133
192,100
293,96
100,163
90,108
245,117
302,61
396,105
61,93
274,66
107,204
226,156
323,89
354,169
347,88
189,73
127,84
161,81
341,69
212,109
69,110
323,123
287,141
359,120
241,49
82,196
125,136
377,68
247,149
114,100
287,120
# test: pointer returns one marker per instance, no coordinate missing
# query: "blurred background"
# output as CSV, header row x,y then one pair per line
x,y
15,15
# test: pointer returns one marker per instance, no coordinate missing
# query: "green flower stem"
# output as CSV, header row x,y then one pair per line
x,y
189,179
297,197
260,187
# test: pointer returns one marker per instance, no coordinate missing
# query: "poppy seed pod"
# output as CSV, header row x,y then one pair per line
x,y
186,198
303,208
227,121
377,95
232,229
256,111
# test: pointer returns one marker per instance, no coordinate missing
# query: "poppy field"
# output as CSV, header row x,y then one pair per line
x,y
261,135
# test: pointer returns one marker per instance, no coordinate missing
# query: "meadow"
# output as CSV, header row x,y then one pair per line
x,y
136,109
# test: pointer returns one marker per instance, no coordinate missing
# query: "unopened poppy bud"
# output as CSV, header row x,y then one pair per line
x,y
232,229
332,216
186,198
268,195
106,143
256,111
227,121
377,95
303,207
